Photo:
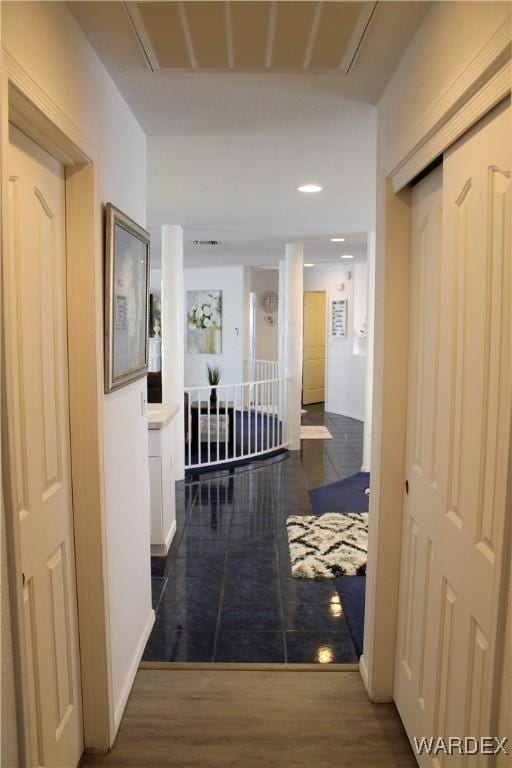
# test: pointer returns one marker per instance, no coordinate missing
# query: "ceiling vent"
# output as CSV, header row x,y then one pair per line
x,y
205,242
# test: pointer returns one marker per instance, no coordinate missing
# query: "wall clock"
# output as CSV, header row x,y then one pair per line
x,y
269,301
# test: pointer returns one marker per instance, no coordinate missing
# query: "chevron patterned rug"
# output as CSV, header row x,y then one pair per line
x,y
327,546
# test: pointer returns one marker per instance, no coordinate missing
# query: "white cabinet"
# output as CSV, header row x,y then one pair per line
x,y
161,476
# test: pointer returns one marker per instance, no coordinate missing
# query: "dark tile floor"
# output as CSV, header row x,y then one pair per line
x,y
224,592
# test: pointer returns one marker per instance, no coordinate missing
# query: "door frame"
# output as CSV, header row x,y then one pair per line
x,y
34,112
483,84
326,339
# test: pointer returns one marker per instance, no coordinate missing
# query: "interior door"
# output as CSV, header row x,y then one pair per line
x,y
39,450
458,440
313,390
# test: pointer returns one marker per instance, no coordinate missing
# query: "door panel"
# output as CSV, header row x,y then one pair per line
x,y
39,403
457,439
314,347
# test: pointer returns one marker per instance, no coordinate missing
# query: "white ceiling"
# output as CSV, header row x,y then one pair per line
x,y
238,185
226,150
263,253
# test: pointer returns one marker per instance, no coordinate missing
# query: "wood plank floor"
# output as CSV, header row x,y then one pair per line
x,y
255,719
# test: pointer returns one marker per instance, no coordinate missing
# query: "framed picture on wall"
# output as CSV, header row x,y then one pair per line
x,y
339,318
126,299
204,322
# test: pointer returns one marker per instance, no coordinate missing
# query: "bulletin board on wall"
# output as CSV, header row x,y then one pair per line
x,y
339,315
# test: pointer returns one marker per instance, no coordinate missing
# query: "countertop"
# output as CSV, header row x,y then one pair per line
x,y
158,414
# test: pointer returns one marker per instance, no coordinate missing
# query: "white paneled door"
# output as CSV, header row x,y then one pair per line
x,y
458,425
40,451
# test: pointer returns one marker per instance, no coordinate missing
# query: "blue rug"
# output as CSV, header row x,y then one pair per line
x,y
347,496
342,496
351,590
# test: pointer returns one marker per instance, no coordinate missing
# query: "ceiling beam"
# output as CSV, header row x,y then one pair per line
x,y
360,30
229,34
272,20
312,35
142,36
187,35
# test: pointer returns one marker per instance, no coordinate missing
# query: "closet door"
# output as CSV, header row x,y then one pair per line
x,y
459,418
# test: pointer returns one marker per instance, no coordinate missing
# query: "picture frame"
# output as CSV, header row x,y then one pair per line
x,y
203,317
126,303
339,318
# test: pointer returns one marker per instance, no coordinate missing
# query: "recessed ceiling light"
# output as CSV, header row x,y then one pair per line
x,y
347,256
309,188
337,239
309,265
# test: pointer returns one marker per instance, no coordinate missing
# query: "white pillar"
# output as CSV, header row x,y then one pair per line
x,y
293,338
367,437
173,336
281,314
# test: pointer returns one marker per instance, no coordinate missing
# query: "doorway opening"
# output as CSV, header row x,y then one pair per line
x,y
314,355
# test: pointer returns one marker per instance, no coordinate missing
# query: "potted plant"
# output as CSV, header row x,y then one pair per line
x,y
214,374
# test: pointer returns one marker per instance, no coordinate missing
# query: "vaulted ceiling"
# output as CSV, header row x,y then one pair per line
x,y
243,101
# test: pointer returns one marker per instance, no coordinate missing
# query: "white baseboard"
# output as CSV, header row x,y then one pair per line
x,y
363,671
134,666
160,550
365,468
341,412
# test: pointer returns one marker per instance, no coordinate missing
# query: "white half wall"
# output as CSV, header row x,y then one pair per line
x,y
233,284
45,40
345,374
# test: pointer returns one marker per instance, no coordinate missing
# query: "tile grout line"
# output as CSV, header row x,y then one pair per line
x,y
223,583
280,596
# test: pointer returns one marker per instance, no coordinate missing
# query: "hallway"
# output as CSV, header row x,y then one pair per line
x,y
225,592
216,719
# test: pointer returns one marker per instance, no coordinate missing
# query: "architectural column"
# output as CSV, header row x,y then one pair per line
x,y
173,336
293,338
370,326
281,314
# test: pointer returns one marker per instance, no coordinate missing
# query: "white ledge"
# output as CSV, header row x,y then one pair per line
x,y
158,414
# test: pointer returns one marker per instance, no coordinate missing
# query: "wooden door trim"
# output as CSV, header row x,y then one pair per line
x,y
481,85
25,104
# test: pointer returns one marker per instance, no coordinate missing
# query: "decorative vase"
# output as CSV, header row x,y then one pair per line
x,y
210,340
213,398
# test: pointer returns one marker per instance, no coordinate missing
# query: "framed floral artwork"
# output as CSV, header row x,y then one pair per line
x,y
204,322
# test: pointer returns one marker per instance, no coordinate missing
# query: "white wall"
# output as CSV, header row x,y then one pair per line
x,y
262,280
233,284
46,41
345,376
155,281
